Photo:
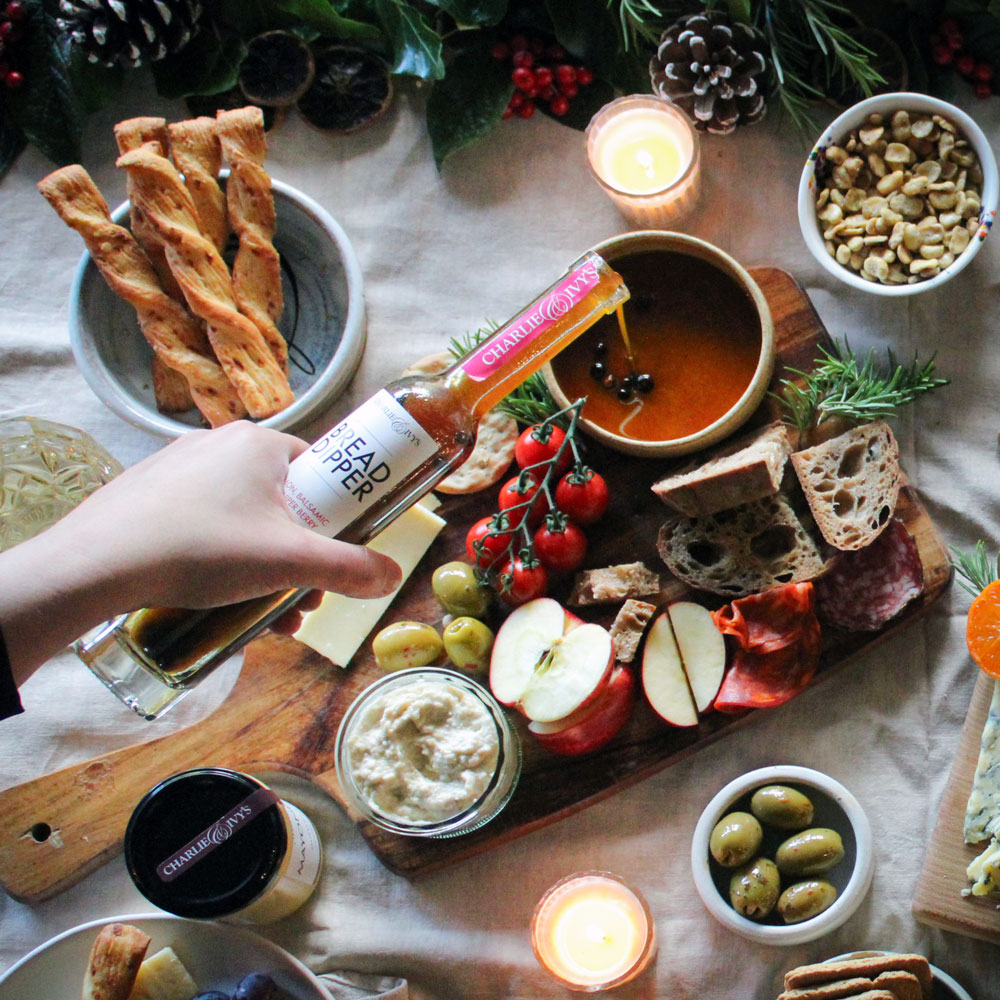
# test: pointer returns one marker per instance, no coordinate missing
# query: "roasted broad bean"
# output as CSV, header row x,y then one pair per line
x,y
406,644
468,643
458,590
811,852
754,889
782,807
735,839
805,900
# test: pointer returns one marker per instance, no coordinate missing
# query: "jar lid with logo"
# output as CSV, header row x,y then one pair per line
x,y
211,842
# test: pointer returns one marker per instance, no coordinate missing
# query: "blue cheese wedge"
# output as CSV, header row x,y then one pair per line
x,y
984,872
982,815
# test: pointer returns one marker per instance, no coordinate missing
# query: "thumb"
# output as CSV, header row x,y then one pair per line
x,y
352,570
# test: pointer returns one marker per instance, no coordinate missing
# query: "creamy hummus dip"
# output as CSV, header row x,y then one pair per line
x,y
423,752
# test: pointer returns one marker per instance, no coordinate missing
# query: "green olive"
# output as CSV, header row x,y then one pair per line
x,y
805,900
754,888
735,839
458,589
811,852
782,807
406,644
468,643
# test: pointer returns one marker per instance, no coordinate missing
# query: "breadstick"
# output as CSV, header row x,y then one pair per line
x,y
206,284
194,146
257,267
169,387
175,336
114,962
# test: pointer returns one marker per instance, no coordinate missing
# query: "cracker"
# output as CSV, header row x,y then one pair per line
x,y
830,991
496,437
869,965
903,985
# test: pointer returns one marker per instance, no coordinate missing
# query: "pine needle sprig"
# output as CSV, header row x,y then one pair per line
x,y
529,403
841,386
975,570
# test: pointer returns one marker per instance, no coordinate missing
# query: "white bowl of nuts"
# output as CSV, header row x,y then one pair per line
x,y
898,194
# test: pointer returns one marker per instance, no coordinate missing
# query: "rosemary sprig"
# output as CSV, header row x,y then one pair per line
x,y
530,402
840,386
975,570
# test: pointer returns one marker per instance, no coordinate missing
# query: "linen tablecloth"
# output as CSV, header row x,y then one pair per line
x,y
441,252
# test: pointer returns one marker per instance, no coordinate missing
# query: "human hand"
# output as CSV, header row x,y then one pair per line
x,y
200,523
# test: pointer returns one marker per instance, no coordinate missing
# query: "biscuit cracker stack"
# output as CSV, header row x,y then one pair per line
x,y
213,330
866,976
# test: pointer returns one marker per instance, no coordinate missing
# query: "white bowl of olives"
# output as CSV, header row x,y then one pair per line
x,y
782,855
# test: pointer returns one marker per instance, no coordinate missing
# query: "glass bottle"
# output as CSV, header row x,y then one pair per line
x,y
353,482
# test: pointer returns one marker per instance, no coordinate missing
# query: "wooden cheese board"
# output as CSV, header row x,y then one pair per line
x,y
284,711
939,900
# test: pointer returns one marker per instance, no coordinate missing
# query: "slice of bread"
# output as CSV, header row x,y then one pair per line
x,y
741,551
628,628
613,583
747,469
851,483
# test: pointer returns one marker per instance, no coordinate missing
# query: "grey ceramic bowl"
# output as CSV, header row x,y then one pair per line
x,y
323,322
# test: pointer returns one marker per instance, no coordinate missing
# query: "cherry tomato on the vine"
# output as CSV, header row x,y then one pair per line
x,y
492,542
582,495
560,544
540,444
524,581
512,495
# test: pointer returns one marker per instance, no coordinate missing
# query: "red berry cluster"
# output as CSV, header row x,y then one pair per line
x,y
541,72
11,32
947,49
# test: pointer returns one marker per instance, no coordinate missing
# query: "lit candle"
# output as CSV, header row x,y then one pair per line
x,y
644,153
592,931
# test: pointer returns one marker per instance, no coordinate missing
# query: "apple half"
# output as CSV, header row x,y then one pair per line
x,y
547,663
683,663
593,726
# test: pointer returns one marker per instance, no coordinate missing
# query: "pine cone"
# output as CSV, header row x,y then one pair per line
x,y
717,71
129,31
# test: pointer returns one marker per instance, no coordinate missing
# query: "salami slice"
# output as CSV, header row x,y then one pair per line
x,y
766,680
770,621
864,589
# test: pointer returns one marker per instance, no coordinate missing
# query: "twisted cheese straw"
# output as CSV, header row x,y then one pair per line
x,y
257,267
172,332
197,154
169,386
206,284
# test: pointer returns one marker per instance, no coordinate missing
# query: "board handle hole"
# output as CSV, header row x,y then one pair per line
x,y
40,832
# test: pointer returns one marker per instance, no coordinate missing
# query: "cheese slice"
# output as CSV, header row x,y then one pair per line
x,y
338,627
982,815
163,977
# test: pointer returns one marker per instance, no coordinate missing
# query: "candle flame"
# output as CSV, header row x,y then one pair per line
x,y
645,158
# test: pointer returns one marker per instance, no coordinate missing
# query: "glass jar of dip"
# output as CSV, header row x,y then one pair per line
x,y
214,843
427,752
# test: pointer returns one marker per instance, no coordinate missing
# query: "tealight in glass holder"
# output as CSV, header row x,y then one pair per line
x,y
592,931
643,152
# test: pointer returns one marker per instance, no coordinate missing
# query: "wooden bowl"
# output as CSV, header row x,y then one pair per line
x,y
711,371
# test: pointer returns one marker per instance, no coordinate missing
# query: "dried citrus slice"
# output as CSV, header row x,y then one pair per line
x,y
277,69
982,632
351,88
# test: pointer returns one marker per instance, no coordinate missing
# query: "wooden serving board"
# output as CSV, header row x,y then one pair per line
x,y
939,900
284,710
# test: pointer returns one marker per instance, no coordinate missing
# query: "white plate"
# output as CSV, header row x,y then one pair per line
x,y
218,956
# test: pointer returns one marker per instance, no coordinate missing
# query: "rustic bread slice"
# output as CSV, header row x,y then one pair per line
x,y
852,484
628,628
740,551
866,964
613,583
747,469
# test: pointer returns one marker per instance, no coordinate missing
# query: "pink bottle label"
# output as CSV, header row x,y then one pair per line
x,y
519,333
